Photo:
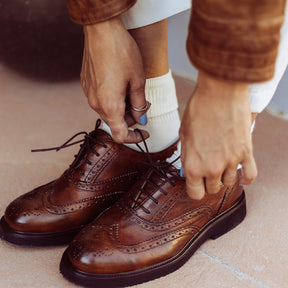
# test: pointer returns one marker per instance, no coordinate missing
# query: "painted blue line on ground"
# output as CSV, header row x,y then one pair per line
x,y
237,271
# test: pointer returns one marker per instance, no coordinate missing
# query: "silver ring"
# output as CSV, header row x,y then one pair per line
x,y
142,109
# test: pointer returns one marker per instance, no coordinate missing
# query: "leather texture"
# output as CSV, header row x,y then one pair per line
x,y
149,226
100,174
232,42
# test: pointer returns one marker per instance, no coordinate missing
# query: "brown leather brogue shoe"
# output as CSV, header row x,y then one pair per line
x,y
152,231
53,213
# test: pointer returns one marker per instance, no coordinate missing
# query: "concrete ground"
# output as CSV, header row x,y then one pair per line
x,y
37,114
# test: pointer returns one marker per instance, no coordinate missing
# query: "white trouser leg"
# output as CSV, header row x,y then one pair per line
x,y
146,12
261,94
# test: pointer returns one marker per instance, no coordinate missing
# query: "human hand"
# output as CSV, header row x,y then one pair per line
x,y
111,69
215,136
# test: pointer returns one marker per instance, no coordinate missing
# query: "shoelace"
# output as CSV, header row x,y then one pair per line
x,y
88,145
163,169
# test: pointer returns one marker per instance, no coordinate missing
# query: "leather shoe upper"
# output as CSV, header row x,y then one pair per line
x,y
150,225
101,172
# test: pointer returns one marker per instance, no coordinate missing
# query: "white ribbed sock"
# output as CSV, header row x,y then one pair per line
x,y
177,164
163,117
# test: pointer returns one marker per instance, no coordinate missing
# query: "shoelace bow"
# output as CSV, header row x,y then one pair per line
x,y
87,146
163,169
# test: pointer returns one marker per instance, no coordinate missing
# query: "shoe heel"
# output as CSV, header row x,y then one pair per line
x,y
230,219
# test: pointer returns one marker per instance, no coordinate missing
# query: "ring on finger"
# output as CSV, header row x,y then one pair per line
x,y
140,109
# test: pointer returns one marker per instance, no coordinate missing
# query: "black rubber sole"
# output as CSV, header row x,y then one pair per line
x,y
29,239
220,225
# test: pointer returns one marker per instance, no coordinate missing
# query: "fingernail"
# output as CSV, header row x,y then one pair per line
x,y
143,119
181,172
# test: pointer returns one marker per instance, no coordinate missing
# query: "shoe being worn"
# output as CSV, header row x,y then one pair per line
x,y
152,231
53,213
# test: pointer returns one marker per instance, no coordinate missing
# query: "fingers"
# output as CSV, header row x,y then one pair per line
x,y
229,177
194,181
112,112
121,133
198,185
201,179
139,113
249,169
135,137
127,136
195,187
213,185
129,119
139,105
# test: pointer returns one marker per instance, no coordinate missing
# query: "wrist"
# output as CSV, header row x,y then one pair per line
x,y
221,88
102,28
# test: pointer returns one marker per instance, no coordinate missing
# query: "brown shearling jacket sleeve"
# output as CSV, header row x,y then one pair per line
x,y
86,12
236,40
232,40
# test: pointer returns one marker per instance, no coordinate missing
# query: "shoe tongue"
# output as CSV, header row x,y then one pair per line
x,y
146,186
101,135
101,138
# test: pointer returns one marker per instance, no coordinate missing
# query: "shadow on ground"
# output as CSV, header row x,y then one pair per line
x,y
38,40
